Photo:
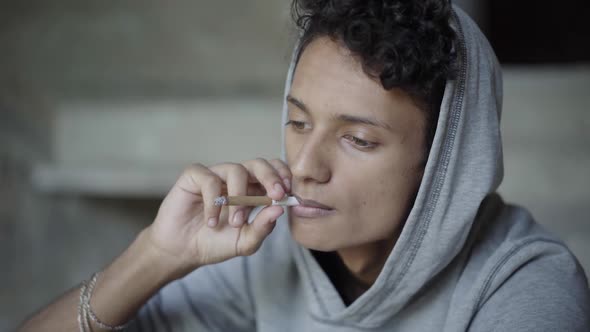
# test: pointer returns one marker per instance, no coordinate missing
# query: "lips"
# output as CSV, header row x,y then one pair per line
x,y
312,204
311,209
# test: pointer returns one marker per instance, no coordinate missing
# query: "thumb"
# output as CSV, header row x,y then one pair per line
x,y
252,235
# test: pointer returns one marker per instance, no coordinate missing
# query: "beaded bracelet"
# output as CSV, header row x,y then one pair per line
x,y
85,311
82,315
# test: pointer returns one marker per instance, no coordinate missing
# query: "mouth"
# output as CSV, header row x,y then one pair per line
x,y
310,209
312,203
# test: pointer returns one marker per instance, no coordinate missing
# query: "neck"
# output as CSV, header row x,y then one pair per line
x,y
366,262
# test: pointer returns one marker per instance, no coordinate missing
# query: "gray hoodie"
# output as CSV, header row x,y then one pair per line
x,y
465,260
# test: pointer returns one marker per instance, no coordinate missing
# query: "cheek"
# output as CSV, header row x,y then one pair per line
x,y
291,146
375,199
382,199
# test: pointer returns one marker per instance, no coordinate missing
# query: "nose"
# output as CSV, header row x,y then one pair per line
x,y
311,161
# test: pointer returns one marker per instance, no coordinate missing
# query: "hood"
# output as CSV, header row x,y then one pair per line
x,y
464,166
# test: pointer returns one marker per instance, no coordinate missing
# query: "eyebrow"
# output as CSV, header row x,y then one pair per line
x,y
342,117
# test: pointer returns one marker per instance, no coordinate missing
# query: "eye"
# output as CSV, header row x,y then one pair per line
x,y
298,125
361,143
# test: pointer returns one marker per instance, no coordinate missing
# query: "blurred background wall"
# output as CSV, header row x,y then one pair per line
x,y
103,103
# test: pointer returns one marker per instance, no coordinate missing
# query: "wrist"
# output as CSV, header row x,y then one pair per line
x,y
131,280
171,266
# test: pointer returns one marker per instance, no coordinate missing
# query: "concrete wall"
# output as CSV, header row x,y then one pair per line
x,y
57,51
147,48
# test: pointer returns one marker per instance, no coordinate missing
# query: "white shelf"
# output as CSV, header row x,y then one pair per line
x,y
105,181
138,149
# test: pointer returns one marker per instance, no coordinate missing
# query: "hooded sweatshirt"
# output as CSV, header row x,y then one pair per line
x,y
464,261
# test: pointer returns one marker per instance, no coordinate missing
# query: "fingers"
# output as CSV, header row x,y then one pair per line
x,y
265,173
274,176
236,180
200,180
211,189
284,172
252,235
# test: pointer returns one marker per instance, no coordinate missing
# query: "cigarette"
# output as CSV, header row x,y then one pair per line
x,y
254,201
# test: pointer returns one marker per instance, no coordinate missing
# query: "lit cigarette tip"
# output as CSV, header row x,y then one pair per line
x,y
220,201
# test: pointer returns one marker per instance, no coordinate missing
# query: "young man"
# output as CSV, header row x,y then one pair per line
x,y
392,142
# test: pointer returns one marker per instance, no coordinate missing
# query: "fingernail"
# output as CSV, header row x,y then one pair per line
x,y
212,222
287,184
279,189
238,218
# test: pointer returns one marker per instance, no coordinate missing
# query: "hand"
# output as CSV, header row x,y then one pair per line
x,y
191,231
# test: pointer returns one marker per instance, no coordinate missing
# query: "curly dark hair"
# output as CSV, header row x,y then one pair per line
x,y
406,44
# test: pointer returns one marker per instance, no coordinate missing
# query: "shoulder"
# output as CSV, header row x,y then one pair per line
x,y
530,281
544,291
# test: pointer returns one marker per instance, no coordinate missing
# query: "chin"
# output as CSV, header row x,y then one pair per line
x,y
312,235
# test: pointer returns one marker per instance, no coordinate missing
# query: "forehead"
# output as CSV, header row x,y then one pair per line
x,y
325,69
328,79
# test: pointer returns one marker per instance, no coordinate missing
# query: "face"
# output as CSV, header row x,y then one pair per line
x,y
355,150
